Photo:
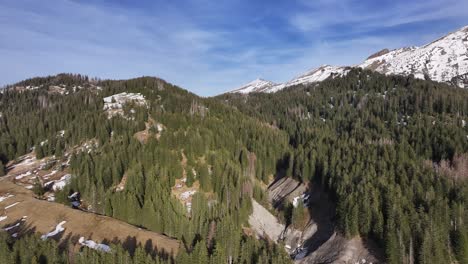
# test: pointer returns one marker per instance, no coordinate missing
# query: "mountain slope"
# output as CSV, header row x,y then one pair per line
x,y
440,60
315,75
257,85
443,60
386,149
196,150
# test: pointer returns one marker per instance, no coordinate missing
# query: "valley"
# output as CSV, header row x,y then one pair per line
x,y
350,165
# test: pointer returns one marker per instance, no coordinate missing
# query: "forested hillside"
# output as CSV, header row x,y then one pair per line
x,y
215,148
391,150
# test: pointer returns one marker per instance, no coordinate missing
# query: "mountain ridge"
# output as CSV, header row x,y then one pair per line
x,y
444,60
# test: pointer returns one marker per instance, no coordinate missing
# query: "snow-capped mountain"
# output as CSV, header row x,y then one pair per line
x,y
257,85
440,60
316,75
319,74
443,60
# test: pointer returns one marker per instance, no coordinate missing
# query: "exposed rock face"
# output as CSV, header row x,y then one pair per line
x,y
461,80
319,242
264,223
378,53
285,188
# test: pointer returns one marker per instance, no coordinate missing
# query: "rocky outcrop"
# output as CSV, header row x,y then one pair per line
x,y
378,53
319,242
264,223
285,189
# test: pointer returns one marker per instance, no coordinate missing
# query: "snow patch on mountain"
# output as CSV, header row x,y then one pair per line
x,y
3,198
113,104
94,245
258,85
58,229
319,74
316,75
440,60
60,184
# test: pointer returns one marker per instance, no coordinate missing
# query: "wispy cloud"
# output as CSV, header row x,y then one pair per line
x,y
361,16
208,46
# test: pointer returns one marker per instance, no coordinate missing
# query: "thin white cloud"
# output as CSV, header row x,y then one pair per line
x,y
322,14
207,58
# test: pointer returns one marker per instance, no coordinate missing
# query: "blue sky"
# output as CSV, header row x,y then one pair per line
x,y
209,46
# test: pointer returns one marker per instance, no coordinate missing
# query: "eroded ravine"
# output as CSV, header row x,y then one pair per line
x,y
318,242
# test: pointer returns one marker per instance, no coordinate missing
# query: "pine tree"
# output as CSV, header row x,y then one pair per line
x,y
204,177
38,189
38,149
218,256
461,246
190,177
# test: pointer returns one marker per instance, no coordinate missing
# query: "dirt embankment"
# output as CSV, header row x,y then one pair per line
x,y
25,214
264,223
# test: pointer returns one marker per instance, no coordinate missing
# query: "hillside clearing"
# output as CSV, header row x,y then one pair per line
x,y
33,215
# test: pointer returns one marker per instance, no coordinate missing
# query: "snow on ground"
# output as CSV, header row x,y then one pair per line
x,y
58,229
49,174
30,87
58,185
116,101
441,60
113,104
75,194
3,198
11,205
11,227
26,162
51,198
187,194
19,177
61,133
60,89
159,127
257,85
94,245
301,198
315,75
3,218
